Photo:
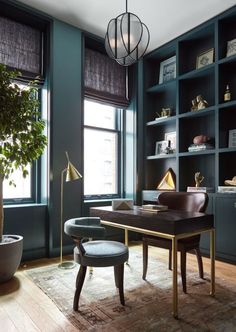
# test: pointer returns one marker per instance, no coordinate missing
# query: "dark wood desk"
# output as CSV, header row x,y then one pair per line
x,y
170,224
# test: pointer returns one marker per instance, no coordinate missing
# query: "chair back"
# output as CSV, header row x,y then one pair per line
x,y
187,201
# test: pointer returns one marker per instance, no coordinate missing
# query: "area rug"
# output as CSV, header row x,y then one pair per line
x,y
148,303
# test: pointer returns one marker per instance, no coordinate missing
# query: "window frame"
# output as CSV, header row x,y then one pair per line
x,y
119,131
35,183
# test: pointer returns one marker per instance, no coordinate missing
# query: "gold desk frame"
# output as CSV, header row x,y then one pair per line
x,y
174,239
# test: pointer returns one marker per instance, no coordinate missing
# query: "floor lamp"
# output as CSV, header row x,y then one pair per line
x,y
71,174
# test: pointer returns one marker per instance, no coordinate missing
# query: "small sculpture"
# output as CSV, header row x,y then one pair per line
x,y
201,103
198,103
164,112
200,139
231,182
227,94
198,179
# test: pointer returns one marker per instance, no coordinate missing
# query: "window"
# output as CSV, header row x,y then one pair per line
x,y
102,150
25,188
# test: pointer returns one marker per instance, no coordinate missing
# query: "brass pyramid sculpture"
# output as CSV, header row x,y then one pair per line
x,y
168,181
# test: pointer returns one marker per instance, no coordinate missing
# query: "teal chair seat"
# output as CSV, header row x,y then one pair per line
x,y
98,253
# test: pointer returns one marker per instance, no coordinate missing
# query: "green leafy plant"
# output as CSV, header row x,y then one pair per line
x,y
21,130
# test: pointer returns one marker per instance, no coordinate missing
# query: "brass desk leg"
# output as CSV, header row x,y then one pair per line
x,y
212,255
175,284
90,267
126,241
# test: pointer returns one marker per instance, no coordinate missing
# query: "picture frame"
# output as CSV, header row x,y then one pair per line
x,y
167,70
232,138
161,147
205,58
171,136
231,47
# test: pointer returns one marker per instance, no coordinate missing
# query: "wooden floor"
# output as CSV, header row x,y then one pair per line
x,y
24,307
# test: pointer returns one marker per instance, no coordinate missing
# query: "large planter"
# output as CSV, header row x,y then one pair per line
x,y
10,256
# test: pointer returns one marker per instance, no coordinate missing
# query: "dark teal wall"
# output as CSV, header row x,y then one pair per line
x,y
66,110
40,225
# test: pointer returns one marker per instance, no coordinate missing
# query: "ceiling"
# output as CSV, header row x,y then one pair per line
x,y
166,19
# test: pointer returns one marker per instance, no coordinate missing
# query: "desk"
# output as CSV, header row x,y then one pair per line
x,y
170,224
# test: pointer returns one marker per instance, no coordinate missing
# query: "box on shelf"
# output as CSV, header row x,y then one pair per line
x,y
200,147
200,189
122,204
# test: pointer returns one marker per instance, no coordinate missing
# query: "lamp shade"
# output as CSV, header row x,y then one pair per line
x,y
127,38
72,173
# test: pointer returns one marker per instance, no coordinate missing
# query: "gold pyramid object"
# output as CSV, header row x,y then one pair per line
x,y
168,181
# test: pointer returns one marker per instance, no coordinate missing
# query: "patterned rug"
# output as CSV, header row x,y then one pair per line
x,y
148,303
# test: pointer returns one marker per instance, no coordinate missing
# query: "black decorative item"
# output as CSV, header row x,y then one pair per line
x,y
127,38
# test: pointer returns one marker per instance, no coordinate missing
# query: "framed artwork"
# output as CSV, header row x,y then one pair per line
x,y
172,138
231,47
205,58
167,70
232,138
161,147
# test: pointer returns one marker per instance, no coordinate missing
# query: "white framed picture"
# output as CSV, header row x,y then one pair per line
x,y
167,70
232,138
205,58
231,47
161,147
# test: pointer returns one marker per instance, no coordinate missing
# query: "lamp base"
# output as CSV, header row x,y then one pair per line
x,y
66,265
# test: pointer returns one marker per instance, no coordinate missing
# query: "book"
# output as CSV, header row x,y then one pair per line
x,y
200,147
227,189
200,189
154,207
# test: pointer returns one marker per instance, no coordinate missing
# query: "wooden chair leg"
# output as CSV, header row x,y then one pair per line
x,y
170,259
145,259
200,264
183,269
119,280
79,284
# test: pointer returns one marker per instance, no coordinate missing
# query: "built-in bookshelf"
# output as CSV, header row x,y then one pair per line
x,y
196,73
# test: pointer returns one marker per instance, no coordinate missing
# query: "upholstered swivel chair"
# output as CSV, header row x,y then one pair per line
x,y
99,253
188,201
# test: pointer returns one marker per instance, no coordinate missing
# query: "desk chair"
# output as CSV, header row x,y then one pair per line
x,y
188,201
98,253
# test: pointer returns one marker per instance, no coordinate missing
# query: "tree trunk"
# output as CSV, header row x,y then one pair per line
x,y
1,208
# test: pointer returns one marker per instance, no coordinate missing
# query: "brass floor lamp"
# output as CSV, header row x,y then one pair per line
x,y
71,174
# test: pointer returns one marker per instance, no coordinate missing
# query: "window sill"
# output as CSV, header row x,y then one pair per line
x,y
9,206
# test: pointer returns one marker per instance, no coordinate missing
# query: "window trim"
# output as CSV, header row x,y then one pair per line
x,y
119,131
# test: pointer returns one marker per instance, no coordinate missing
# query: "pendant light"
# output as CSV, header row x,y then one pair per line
x,y
127,38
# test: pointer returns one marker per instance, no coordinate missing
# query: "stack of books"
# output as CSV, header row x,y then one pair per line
x,y
227,189
200,189
200,147
154,207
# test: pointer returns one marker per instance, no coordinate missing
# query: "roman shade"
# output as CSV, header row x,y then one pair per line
x,y
104,79
20,47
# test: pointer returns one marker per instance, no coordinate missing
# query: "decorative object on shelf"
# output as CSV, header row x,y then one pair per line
x,y
168,181
200,139
205,58
198,103
71,174
167,70
231,182
162,147
200,143
171,137
122,204
127,38
165,113
232,138
227,94
231,47
200,189
198,179
201,103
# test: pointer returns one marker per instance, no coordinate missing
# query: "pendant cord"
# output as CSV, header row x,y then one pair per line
x,y
126,6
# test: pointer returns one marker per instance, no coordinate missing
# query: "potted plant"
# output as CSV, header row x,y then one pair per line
x,y
21,141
